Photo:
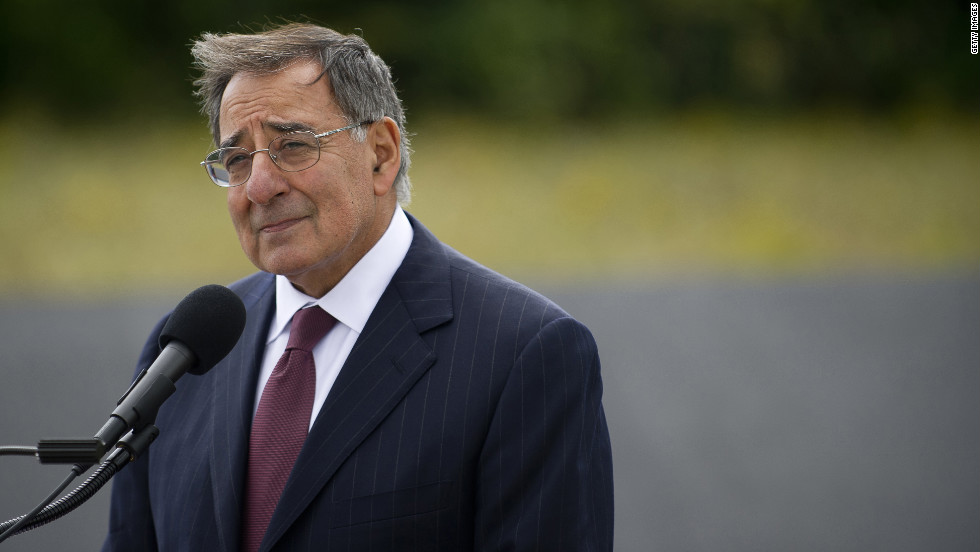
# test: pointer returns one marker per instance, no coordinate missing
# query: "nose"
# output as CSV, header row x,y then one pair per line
x,y
266,181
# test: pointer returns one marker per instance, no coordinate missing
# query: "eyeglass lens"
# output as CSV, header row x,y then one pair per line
x,y
294,151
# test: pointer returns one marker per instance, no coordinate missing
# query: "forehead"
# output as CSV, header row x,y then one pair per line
x,y
254,104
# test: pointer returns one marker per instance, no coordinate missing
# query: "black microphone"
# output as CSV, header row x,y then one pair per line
x,y
201,331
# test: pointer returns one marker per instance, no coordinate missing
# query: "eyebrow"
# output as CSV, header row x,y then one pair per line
x,y
281,128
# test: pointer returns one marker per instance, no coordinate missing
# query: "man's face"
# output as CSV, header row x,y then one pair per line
x,y
313,225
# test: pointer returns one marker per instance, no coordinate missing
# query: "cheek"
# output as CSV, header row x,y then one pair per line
x,y
236,206
238,211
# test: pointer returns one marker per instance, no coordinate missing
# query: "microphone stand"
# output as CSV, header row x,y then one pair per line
x,y
127,449
132,411
194,321
61,451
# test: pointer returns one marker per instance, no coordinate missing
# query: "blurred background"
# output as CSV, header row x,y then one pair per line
x,y
767,211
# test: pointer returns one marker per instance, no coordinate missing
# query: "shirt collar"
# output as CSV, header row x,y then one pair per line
x,y
353,299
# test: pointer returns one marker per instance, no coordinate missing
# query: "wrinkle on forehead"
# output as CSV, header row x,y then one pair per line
x,y
287,100
271,128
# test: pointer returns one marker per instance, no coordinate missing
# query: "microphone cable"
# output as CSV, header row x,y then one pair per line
x,y
12,527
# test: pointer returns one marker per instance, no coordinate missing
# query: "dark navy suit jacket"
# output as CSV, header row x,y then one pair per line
x,y
467,417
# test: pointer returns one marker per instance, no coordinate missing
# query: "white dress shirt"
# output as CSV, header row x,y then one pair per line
x,y
350,302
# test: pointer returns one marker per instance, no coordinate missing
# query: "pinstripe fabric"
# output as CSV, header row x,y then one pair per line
x,y
468,417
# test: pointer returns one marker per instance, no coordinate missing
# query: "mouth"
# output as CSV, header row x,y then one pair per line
x,y
280,226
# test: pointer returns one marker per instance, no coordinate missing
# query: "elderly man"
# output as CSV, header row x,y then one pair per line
x,y
387,392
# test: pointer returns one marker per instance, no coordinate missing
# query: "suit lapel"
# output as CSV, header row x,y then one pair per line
x,y
234,394
385,363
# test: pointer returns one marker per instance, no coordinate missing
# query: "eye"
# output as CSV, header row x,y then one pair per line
x,y
235,159
292,144
295,151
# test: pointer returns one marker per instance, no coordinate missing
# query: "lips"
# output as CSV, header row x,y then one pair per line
x,y
280,225
278,216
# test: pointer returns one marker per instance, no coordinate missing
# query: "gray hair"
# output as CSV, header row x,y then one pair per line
x,y
359,79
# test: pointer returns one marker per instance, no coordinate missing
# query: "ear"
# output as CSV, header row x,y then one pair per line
x,y
385,141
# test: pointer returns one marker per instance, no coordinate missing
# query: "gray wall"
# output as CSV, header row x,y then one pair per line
x,y
820,414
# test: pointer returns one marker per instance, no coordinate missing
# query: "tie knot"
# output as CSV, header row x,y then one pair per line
x,y
309,327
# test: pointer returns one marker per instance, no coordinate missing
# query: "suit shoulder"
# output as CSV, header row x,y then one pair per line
x,y
495,290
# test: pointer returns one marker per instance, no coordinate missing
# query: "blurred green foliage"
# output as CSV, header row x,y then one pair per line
x,y
554,139
516,58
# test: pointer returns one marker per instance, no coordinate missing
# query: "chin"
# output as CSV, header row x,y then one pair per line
x,y
284,268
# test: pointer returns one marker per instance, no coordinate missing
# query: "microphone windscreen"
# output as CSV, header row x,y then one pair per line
x,y
209,321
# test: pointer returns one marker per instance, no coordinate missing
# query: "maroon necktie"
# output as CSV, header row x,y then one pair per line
x,y
281,423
